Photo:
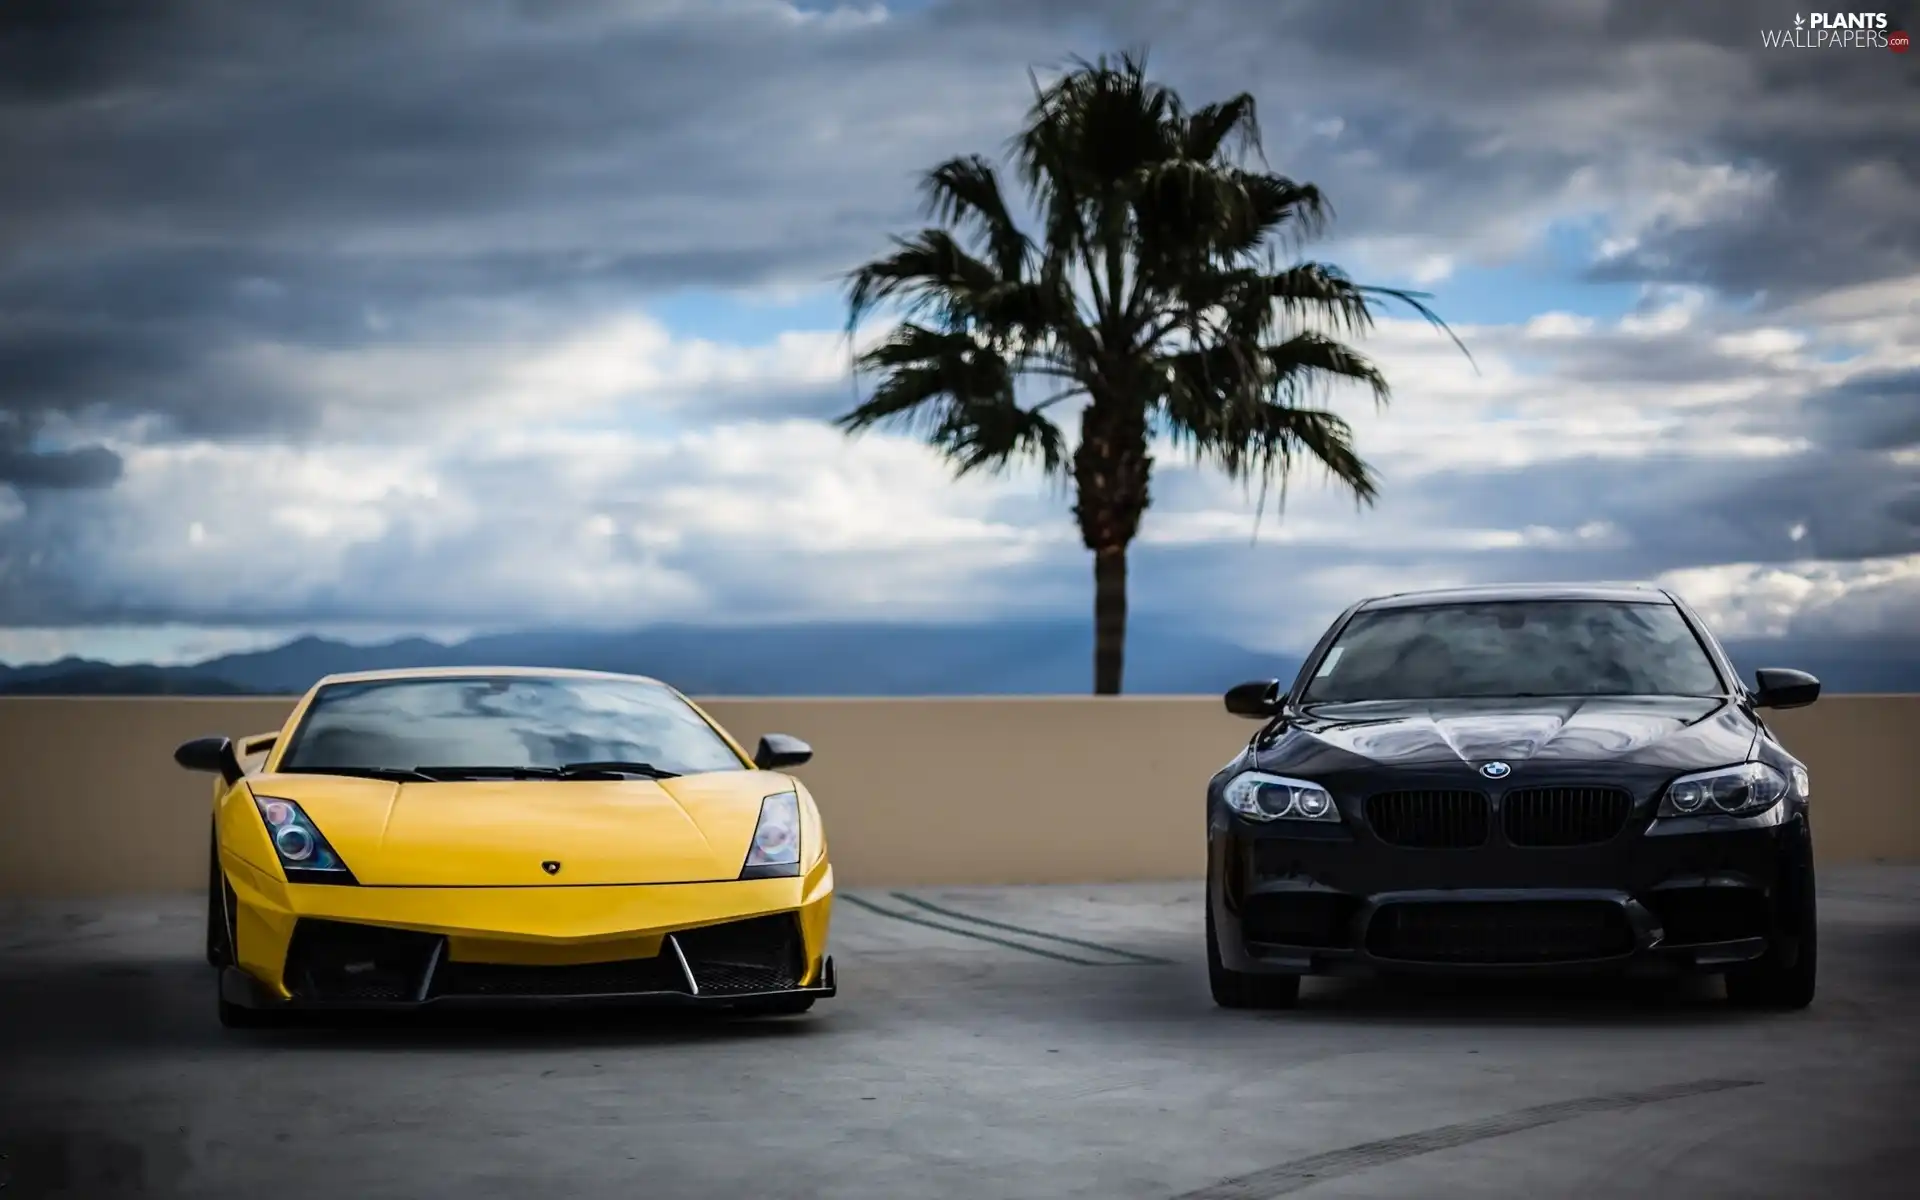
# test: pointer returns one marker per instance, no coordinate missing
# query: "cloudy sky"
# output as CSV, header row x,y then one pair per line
x,y
372,316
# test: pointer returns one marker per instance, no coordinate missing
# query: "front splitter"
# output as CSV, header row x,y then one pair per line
x,y
239,988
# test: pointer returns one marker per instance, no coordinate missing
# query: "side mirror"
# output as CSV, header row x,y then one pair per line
x,y
211,754
777,750
1782,688
1259,698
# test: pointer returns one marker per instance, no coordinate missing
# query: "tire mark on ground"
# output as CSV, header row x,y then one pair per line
x,y
930,906
975,934
1302,1173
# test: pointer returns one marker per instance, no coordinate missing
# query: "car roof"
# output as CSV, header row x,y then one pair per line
x,y
405,673
1626,593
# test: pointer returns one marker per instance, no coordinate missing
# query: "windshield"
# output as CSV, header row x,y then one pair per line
x,y
540,722
1515,648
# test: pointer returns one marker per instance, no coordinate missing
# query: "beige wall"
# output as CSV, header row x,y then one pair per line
x,y
915,791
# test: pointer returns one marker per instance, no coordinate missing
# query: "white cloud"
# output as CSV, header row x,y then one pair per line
x,y
618,362
1665,195
1557,325
1875,597
558,496
1432,269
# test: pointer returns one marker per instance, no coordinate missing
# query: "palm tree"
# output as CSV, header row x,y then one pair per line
x,y
1152,294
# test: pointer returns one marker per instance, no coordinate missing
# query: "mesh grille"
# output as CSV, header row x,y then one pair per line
x,y
342,961
1564,816
1431,820
763,954
1532,931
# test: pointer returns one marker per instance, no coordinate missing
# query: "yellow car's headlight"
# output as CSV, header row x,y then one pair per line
x,y
303,853
775,850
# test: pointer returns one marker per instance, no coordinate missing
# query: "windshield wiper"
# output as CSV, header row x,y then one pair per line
x,y
396,774
609,769
446,774
579,770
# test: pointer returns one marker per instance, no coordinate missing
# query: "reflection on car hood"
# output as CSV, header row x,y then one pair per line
x,y
1675,731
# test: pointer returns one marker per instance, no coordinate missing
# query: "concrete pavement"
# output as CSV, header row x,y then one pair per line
x,y
1019,1042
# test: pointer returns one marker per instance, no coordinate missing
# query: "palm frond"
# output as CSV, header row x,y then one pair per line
x,y
1312,292
958,395
989,435
1417,302
966,192
930,268
1231,125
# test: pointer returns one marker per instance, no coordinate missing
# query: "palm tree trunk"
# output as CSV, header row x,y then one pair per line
x,y
1109,620
1111,467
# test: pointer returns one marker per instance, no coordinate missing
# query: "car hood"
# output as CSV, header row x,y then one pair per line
x,y
497,833
1679,732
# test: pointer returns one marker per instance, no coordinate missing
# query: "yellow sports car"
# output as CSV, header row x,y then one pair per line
x,y
510,836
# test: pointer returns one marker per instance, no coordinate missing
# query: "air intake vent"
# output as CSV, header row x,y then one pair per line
x,y
626,977
762,954
343,961
1500,933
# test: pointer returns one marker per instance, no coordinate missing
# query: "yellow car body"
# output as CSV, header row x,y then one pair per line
x,y
450,889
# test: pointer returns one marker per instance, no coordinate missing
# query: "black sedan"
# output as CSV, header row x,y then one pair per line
x,y
1513,779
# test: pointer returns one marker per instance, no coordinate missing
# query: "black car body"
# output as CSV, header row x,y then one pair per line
x,y
1423,815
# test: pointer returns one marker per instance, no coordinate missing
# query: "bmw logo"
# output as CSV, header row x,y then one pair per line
x,y
1495,770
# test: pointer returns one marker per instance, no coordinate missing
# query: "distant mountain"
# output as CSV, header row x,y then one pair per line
x,y
82,677
817,660
1032,658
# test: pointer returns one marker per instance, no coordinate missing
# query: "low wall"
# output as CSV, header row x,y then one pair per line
x,y
916,791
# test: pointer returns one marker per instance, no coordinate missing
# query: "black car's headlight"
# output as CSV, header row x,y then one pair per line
x,y
304,855
1259,796
1729,791
775,850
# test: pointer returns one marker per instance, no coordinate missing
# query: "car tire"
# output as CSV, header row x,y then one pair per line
x,y
219,941
1785,979
1238,989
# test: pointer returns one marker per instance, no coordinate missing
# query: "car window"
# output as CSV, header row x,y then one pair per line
x,y
503,721
1515,648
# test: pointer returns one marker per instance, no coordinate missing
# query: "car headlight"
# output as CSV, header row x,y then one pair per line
x,y
1259,796
775,851
1730,791
304,855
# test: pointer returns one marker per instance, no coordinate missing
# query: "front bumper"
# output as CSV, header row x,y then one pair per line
x,y
721,944
238,987
1683,900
